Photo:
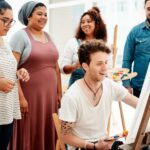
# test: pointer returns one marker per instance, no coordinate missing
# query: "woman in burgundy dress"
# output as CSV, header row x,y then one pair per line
x,y
35,51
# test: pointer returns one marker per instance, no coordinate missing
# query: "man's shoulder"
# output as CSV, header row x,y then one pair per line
x,y
72,95
107,81
137,29
138,26
73,90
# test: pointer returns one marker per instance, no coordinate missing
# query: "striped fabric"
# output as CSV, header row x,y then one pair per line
x,y
9,102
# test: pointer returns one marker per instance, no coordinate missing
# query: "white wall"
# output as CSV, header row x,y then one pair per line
x,y
124,13
16,5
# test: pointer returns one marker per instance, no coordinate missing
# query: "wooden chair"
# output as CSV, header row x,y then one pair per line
x,y
59,144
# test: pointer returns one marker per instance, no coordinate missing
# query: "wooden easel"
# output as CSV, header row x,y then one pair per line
x,y
114,52
114,46
141,132
142,139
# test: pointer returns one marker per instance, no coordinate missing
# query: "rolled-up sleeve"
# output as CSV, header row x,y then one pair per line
x,y
69,51
128,56
68,110
17,44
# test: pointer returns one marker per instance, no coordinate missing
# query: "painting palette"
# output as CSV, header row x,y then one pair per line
x,y
119,74
113,138
117,136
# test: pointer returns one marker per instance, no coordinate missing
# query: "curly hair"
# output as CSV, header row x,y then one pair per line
x,y
100,31
87,48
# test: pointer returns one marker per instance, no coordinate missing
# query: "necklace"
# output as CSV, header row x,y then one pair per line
x,y
94,92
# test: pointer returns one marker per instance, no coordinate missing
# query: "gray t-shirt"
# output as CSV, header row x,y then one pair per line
x,y
20,43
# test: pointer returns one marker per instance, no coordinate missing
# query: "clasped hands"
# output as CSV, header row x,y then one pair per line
x,y
6,85
23,75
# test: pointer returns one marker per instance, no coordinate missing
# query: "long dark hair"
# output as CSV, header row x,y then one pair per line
x,y
100,31
3,6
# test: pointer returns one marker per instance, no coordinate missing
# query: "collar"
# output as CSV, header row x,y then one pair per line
x,y
144,25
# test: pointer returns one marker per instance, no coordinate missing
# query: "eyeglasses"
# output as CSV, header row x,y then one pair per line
x,y
8,22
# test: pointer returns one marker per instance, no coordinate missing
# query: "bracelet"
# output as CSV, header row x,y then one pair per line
x,y
85,144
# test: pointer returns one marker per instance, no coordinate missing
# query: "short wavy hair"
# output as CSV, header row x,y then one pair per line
x,y
89,47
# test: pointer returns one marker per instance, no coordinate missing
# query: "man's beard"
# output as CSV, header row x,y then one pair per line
x,y
148,19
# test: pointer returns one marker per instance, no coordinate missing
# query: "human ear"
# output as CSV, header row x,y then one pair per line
x,y
85,66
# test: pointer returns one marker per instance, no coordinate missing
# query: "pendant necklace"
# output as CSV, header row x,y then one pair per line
x,y
94,93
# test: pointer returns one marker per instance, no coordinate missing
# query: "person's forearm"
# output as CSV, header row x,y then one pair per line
x,y
21,95
77,142
59,87
69,68
129,89
127,64
1,84
131,100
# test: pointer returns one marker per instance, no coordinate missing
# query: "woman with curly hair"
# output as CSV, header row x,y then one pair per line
x,y
91,26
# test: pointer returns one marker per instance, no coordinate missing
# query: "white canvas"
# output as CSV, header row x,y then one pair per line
x,y
140,110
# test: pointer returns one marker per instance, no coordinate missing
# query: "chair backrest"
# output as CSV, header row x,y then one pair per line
x,y
60,144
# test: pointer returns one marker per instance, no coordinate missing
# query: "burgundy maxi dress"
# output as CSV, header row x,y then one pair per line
x,y
36,131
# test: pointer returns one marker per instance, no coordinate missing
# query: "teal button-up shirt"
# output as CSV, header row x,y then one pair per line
x,y
137,54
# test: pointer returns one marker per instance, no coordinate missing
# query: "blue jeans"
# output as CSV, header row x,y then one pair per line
x,y
77,74
5,135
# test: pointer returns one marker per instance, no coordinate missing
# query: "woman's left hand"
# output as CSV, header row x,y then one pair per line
x,y
23,74
23,105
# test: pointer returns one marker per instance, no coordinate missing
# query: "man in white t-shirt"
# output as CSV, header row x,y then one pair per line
x,y
86,105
